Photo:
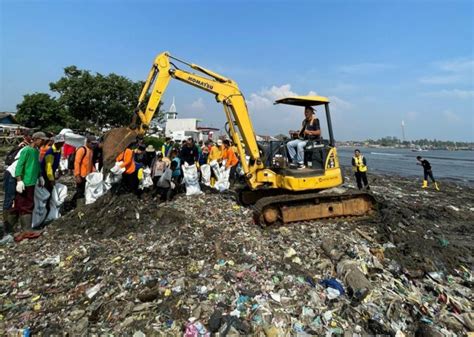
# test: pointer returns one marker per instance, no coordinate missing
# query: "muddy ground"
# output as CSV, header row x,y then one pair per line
x,y
156,265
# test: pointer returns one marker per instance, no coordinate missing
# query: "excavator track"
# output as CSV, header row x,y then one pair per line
x,y
283,209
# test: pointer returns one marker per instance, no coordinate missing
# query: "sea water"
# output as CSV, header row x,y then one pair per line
x,y
451,165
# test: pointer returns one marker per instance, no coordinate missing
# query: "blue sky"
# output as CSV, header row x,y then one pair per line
x,y
380,62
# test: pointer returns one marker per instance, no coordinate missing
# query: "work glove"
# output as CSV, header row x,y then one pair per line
x,y
117,169
173,185
78,179
41,181
20,186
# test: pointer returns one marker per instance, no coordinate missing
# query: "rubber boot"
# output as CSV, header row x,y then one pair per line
x,y
436,186
11,222
425,184
3,230
25,222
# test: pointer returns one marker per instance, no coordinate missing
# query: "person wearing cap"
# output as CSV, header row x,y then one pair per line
x,y
310,130
46,145
9,188
50,162
150,155
27,173
216,151
83,165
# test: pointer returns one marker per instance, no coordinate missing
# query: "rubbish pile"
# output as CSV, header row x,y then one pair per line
x,y
199,265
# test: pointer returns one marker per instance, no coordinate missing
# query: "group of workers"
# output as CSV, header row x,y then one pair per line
x,y
36,162
166,164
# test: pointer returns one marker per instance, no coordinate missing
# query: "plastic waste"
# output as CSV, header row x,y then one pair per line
x,y
40,210
191,179
206,174
58,196
333,283
95,187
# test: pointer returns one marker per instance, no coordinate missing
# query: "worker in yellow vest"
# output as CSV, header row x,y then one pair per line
x,y
359,166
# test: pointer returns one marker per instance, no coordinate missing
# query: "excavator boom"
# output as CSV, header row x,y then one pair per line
x,y
259,174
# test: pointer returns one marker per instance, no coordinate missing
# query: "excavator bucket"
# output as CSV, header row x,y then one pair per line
x,y
115,141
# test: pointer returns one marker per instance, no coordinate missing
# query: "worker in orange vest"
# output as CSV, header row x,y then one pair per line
x,y
231,159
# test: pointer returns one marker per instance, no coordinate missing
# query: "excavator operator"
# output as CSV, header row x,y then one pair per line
x,y
310,131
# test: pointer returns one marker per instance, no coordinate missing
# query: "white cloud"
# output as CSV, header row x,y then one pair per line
x,y
457,65
451,117
440,79
266,97
272,119
451,71
338,104
452,93
364,68
198,105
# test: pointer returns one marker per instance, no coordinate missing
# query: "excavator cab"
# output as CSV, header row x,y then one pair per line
x,y
316,150
275,153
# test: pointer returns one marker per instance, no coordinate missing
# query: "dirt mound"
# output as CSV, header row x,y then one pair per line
x,y
117,215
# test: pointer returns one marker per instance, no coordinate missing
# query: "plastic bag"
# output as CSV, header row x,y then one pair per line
x,y
146,181
206,174
63,164
95,187
58,196
191,179
40,211
222,174
113,179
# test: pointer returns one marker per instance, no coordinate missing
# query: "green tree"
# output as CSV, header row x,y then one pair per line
x,y
85,101
42,111
281,137
95,99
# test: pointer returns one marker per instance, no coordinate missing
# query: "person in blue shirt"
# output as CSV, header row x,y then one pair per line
x,y
177,172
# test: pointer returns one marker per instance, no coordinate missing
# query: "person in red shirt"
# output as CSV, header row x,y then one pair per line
x,y
231,159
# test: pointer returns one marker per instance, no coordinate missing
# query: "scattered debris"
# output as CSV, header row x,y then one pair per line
x,y
199,265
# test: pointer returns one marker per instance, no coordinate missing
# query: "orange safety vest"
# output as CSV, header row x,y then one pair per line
x,y
128,162
230,156
83,162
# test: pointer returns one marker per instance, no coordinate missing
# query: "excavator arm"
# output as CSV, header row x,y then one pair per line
x,y
279,195
226,92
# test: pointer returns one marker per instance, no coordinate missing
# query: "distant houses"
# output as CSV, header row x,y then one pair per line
x,y
9,126
182,128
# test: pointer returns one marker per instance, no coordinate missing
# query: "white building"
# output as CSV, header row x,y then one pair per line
x,y
182,128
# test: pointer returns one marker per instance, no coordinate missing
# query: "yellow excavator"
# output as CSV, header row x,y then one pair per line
x,y
279,194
